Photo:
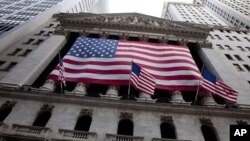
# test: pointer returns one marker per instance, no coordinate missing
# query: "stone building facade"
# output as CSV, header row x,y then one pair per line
x,y
32,109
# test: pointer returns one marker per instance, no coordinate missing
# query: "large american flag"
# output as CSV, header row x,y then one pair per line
x,y
142,80
107,61
211,84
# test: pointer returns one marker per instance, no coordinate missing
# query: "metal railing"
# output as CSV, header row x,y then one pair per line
x,y
29,129
74,134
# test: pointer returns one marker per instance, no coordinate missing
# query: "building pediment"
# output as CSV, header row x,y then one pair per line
x,y
132,22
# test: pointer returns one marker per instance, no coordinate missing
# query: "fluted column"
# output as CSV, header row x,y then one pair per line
x,y
177,98
49,85
80,88
145,97
208,100
113,91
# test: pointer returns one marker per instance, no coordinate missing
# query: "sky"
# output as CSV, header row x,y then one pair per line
x,y
148,7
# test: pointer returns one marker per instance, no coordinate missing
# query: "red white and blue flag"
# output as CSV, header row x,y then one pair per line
x,y
106,61
211,84
142,80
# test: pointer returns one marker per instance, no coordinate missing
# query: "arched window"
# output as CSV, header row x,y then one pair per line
x,y
125,127
4,112
167,131
83,123
42,118
208,133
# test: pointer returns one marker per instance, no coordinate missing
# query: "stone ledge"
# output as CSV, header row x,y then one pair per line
x,y
128,104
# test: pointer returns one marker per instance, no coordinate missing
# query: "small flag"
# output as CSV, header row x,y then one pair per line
x,y
212,84
142,80
61,77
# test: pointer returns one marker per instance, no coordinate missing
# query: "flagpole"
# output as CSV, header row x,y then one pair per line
x,y
59,56
197,91
129,85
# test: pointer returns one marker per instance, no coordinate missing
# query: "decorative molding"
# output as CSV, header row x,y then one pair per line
x,y
205,121
168,119
87,112
47,108
241,122
126,115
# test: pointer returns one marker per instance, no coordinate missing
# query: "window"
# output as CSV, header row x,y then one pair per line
x,y
125,127
26,52
229,57
238,68
248,48
238,57
241,48
247,67
83,123
218,37
208,133
247,39
236,38
29,41
10,66
5,110
229,38
40,33
38,42
14,52
219,46
167,131
1,63
42,119
228,47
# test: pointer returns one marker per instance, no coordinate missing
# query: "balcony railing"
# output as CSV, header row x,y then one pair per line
x,y
161,139
74,134
34,130
111,137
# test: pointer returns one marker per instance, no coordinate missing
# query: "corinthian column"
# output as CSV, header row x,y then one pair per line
x,y
112,93
80,88
49,85
176,97
145,97
208,100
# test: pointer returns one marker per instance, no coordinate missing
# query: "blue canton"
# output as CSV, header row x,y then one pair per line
x,y
92,47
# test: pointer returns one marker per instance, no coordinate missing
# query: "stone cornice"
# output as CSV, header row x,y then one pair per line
x,y
128,105
131,22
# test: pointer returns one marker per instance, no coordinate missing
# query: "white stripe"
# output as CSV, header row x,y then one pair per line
x,y
167,52
153,46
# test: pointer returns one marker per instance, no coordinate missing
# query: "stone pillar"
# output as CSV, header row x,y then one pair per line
x,y
176,97
144,97
80,88
208,100
113,91
49,85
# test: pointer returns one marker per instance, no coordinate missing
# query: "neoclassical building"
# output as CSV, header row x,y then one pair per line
x,y
33,107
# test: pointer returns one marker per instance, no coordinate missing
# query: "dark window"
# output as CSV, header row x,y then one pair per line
x,y
26,52
248,48
4,112
228,47
133,38
125,127
236,38
219,46
167,131
238,57
42,119
229,38
238,68
247,67
83,123
1,63
38,42
15,52
29,41
208,133
218,37
229,57
40,33
241,48
11,65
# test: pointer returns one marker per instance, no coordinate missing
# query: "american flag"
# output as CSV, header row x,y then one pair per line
x,y
142,80
106,61
215,86
61,77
